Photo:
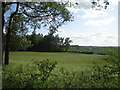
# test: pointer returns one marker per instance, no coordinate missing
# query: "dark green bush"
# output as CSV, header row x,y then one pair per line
x,y
29,76
68,79
106,76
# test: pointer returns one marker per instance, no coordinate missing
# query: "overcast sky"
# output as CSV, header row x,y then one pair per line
x,y
92,27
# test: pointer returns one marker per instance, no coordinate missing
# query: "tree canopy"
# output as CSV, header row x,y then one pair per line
x,y
33,14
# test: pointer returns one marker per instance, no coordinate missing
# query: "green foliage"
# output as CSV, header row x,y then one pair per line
x,y
19,43
48,42
42,74
107,76
67,79
19,25
36,14
29,76
36,40
52,43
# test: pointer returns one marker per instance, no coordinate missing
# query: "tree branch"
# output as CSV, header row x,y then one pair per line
x,y
34,8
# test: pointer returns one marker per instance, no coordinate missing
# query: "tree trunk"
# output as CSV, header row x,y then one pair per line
x,y
8,36
8,42
0,35
3,21
2,18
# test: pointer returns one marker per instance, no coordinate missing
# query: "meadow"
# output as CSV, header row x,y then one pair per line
x,y
72,70
70,61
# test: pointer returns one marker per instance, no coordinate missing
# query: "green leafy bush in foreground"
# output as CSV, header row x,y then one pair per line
x,y
29,76
107,76
40,75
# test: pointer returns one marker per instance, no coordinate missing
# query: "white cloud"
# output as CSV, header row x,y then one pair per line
x,y
91,39
94,14
113,2
102,22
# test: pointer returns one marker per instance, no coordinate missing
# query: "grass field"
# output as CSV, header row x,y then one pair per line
x,y
70,61
74,70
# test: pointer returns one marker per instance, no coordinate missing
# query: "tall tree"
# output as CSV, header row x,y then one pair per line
x,y
8,35
52,14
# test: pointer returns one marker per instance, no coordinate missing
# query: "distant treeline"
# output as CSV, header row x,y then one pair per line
x,y
91,49
37,42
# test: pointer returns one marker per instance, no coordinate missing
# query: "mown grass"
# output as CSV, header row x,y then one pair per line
x,y
70,61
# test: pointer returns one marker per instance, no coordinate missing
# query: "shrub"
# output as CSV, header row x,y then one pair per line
x,y
107,76
29,76
67,79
